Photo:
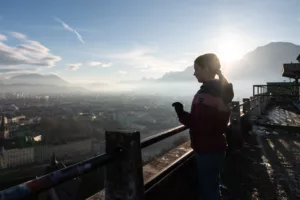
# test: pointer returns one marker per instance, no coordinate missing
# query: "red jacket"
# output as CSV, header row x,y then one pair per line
x,y
208,118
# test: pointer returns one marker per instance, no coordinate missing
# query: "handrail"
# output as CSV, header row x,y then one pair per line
x,y
160,136
53,179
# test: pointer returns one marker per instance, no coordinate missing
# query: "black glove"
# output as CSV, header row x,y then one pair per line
x,y
178,108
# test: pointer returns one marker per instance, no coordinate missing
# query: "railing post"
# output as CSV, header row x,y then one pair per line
x,y
252,104
246,105
268,97
258,105
235,123
255,105
262,104
235,118
245,123
124,176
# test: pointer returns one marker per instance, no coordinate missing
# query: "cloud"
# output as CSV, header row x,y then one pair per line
x,y
183,62
146,59
3,37
28,52
69,28
19,36
75,66
193,54
122,72
106,65
94,64
99,64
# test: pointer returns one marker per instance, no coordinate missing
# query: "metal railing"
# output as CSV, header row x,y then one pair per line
x,y
161,136
53,179
43,183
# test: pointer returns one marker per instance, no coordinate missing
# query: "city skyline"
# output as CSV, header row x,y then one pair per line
x,y
107,41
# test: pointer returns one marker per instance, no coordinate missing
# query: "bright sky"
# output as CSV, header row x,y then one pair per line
x,y
110,40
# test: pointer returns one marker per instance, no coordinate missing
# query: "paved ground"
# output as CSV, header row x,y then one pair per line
x,y
281,150
285,115
268,167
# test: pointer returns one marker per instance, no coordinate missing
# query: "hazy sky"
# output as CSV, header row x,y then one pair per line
x,y
110,40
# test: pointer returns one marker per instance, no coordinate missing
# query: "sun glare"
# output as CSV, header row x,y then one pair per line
x,y
229,50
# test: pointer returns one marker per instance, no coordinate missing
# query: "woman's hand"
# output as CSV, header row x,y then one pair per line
x,y
178,107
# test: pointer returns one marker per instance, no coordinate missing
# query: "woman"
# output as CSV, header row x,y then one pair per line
x,y
208,123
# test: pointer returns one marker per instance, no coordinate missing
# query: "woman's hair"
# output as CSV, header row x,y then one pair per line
x,y
212,62
209,60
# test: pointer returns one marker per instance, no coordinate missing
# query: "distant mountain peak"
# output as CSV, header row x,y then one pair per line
x,y
276,46
51,75
39,79
32,75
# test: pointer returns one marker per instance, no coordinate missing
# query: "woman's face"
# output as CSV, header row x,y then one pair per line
x,y
203,73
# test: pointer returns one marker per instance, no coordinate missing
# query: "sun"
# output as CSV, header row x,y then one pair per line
x,y
229,49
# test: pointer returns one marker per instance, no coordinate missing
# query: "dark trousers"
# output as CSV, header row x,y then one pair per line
x,y
209,166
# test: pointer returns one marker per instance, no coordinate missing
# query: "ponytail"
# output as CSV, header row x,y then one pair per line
x,y
222,78
227,93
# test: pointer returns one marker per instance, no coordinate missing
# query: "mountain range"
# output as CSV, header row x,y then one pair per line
x,y
263,64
